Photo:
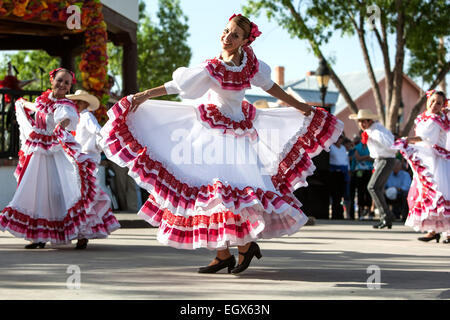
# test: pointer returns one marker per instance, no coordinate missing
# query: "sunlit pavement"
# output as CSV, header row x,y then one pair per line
x,y
330,260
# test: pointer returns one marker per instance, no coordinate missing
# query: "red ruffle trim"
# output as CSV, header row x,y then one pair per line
x,y
47,105
443,122
296,165
234,80
430,201
22,225
217,120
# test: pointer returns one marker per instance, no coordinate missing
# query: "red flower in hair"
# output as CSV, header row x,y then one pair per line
x,y
234,15
254,33
55,71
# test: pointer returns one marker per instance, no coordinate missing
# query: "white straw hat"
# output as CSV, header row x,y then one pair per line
x,y
85,96
363,114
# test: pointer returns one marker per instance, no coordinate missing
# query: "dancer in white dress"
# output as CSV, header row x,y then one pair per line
x,y
87,134
56,182
428,154
219,173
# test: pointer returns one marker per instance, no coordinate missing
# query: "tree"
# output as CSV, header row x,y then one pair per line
x,y
162,47
415,24
28,65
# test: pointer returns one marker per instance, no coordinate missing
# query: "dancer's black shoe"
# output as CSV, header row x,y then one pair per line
x,y
253,251
229,262
82,244
383,224
35,245
436,236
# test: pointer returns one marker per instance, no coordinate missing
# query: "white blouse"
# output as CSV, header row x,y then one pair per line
x,y
194,83
88,135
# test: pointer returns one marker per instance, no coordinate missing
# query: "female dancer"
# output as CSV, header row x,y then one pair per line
x,y
220,173
428,153
56,182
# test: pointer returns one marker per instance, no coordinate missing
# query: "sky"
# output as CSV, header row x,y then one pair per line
x,y
207,18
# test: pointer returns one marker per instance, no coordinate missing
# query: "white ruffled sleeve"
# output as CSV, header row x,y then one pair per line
x,y
428,131
189,83
262,78
63,112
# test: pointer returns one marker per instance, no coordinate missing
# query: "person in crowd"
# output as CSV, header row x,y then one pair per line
x,y
363,172
428,154
350,188
397,188
56,182
220,173
339,177
379,141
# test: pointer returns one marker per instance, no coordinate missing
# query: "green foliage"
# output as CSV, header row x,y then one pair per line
x,y
162,47
27,64
425,22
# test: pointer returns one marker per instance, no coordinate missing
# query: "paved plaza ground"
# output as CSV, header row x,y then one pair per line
x,y
329,260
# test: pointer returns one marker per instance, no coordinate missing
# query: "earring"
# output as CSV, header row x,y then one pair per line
x,y
240,50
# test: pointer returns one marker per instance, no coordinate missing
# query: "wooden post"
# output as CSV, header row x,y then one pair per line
x,y
129,68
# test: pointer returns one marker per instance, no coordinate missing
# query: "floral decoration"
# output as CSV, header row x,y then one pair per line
x,y
94,60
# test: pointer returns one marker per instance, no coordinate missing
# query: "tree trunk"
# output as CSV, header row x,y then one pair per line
x,y
392,112
309,35
373,80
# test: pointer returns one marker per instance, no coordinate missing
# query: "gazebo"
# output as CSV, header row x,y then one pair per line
x,y
63,31
67,29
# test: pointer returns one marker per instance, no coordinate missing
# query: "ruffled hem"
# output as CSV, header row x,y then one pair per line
x,y
265,215
295,163
22,224
429,207
175,205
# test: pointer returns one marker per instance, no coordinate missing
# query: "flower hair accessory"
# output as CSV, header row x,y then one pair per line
x,y
254,31
55,71
234,15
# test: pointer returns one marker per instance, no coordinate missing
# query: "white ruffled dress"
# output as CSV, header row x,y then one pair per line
x,y
221,172
429,195
57,189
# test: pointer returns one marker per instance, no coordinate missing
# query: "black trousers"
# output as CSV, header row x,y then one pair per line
x,y
337,190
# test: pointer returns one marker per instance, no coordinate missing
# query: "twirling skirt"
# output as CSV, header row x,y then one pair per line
x,y
215,182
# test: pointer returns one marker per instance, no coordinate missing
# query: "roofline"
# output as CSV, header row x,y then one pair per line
x,y
379,82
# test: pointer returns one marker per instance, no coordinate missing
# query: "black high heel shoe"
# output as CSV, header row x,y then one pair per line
x,y
34,245
230,263
253,251
446,240
383,224
436,236
82,244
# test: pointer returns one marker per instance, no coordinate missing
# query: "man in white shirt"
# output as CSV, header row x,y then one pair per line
x,y
379,141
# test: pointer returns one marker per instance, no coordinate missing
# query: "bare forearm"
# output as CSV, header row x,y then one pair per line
x,y
280,94
155,92
414,139
140,97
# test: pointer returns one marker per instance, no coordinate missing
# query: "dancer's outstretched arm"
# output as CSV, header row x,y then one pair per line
x,y
140,97
279,93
